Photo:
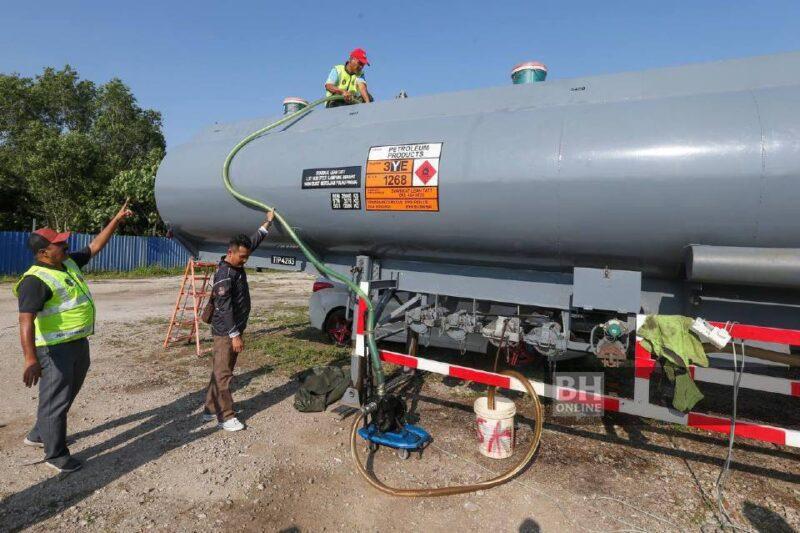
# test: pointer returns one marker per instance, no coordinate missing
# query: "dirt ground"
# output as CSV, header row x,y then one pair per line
x,y
151,464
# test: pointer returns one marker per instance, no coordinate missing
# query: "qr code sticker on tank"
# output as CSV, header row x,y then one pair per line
x,y
345,200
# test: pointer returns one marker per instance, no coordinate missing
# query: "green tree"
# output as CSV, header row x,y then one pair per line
x,y
71,151
138,186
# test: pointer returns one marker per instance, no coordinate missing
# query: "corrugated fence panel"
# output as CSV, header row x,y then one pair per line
x,y
14,255
166,252
123,252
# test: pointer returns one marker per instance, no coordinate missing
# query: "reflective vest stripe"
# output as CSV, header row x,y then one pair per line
x,y
57,285
58,335
67,305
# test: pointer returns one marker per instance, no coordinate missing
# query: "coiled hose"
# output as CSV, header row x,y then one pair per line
x,y
310,255
458,489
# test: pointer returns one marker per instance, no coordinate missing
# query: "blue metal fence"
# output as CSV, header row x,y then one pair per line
x,y
122,252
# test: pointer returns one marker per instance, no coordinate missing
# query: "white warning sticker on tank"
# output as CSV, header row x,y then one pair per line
x,y
403,177
406,151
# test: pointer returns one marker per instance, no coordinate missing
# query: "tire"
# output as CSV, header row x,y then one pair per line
x,y
338,329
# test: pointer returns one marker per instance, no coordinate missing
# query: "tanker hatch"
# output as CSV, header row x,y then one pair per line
x,y
528,72
293,104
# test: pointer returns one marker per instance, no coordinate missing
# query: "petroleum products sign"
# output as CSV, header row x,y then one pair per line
x,y
403,177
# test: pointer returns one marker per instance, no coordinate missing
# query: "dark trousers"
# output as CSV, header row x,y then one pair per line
x,y
64,367
219,400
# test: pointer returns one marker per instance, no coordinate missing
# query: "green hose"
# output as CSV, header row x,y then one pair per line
x,y
310,255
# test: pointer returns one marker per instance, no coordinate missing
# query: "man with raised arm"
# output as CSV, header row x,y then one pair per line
x,y
56,316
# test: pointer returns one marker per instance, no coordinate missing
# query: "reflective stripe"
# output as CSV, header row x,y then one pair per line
x,y
60,335
47,311
57,285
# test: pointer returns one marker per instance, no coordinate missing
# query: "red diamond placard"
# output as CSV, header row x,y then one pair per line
x,y
425,172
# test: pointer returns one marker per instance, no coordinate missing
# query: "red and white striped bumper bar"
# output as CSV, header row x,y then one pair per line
x,y
640,405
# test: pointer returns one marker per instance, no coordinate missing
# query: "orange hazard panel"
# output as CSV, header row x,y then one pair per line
x,y
427,193
390,166
403,177
388,180
402,205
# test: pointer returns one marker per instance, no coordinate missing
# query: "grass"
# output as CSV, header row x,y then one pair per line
x,y
284,339
140,272
154,271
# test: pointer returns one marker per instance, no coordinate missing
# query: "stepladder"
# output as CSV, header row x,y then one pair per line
x,y
195,290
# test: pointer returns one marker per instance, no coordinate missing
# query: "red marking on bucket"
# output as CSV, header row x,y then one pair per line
x,y
497,434
479,421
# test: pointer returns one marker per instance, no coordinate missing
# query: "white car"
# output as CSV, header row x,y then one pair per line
x,y
327,310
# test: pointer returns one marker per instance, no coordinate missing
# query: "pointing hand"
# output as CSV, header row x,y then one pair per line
x,y
124,212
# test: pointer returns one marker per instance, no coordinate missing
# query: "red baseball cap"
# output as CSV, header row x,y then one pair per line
x,y
44,237
359,54
52,236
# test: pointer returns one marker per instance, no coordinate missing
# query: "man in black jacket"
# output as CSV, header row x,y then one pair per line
x,y
231,310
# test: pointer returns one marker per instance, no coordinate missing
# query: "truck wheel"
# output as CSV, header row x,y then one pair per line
x,y
338,329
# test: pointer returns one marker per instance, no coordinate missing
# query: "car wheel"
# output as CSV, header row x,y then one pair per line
x,y
338,329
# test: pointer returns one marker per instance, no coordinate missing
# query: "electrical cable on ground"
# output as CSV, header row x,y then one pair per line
x,y
725,470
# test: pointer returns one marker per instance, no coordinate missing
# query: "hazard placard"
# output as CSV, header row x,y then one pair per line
x,y
403,177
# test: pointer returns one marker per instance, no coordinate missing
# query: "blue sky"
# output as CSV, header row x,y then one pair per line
x,y
200,62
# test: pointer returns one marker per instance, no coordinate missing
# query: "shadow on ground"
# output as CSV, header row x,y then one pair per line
x,y
157,431
765,520
637,440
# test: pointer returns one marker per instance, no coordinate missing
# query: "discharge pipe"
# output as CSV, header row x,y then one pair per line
x,y
735,265
310,255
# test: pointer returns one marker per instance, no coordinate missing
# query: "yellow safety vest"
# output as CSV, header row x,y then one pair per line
x,y
347,82
69,314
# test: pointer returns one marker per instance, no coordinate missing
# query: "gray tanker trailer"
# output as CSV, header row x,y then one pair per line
x,y
562,204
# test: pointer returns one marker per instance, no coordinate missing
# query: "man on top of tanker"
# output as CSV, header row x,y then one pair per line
x,y
348,80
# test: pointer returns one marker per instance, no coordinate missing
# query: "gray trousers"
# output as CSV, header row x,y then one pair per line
x,y
64,368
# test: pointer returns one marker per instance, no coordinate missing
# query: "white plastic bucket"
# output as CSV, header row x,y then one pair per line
x,y
495,427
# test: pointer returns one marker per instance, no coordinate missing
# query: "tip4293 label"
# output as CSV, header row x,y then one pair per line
x,y
403,177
